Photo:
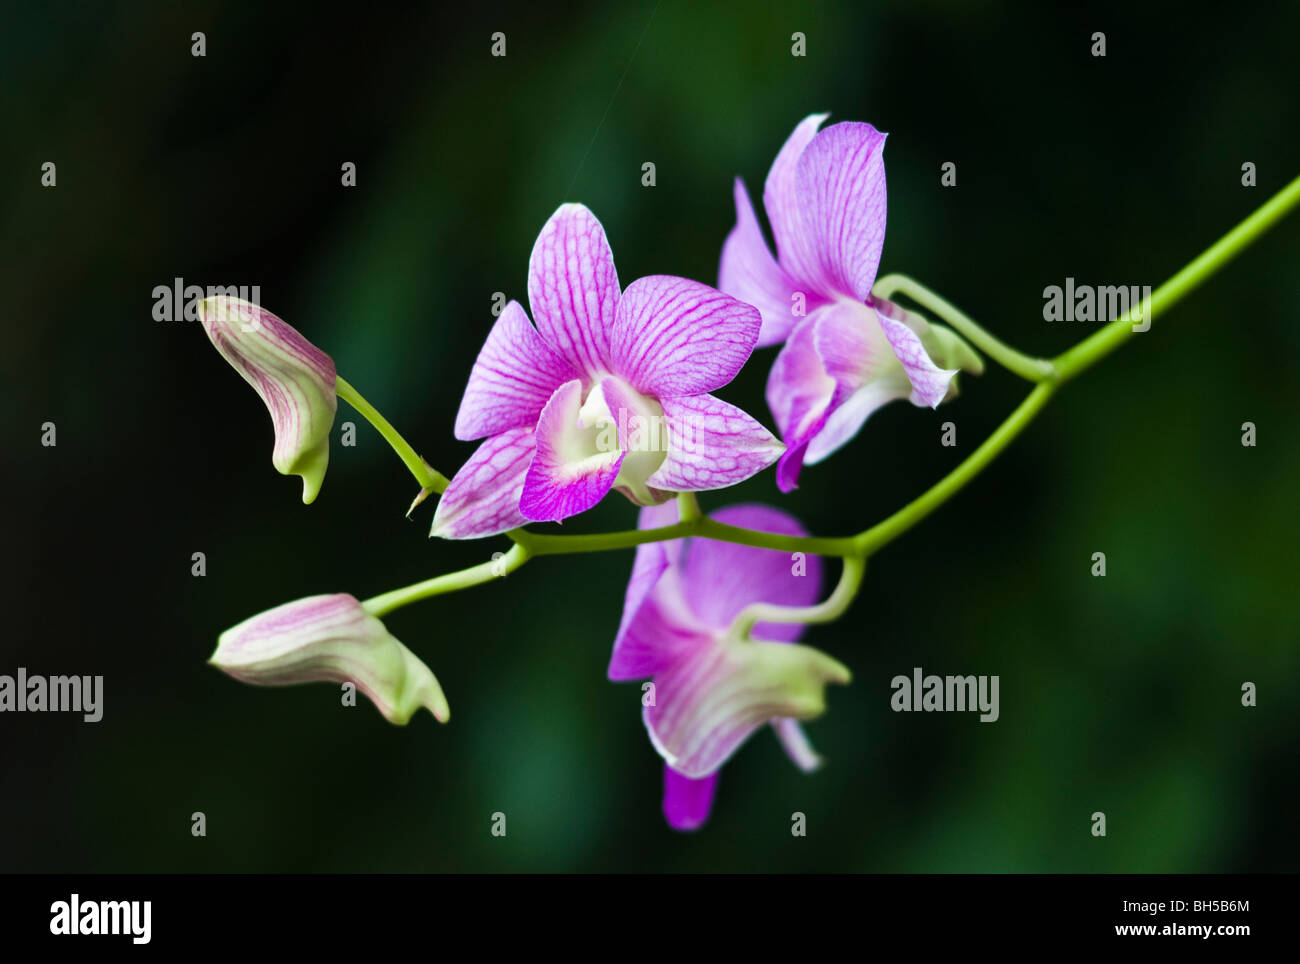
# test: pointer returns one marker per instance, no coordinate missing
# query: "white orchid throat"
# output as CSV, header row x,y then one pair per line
x,y
616,420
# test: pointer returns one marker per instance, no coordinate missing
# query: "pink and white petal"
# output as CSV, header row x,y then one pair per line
x,y
799,392
565,478
840,187
798,387
659,633
483,498
647,568
708,704
515,375
573,288
687,801
749,272
855,351
946,348
796,745
852,345
650,631
847,417
711,444
673,336
792,462
719,579
796,249
929,381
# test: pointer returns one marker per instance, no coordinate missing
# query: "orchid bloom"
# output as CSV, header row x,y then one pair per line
x,y
846,352
610,390
331,638
713,689
295,379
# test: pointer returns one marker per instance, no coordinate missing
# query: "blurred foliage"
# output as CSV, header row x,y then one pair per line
x,y
1119,694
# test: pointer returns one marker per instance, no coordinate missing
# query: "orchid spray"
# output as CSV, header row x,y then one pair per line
x,y
600,389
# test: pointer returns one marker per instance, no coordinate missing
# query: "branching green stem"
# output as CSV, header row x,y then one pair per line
x,y
854,550
540,544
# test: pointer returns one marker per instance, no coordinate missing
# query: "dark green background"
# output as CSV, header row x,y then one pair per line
x,y
1119,694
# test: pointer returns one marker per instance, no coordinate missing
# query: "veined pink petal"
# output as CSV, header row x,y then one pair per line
x,y
483,498
637,645
799,392
848,413
712,444
853,347
874,359
295,379
331,639
855,351
929,382
719,579
573,288
675,337
796,745
651,630
840,187
749,272
567,475
687,801
515,375
708,704
795,247
660,632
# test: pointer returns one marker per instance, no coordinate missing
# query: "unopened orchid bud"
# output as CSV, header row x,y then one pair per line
x,y
295,379
331,638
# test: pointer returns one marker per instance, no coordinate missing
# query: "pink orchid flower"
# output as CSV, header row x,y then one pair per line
x,y
610,390
846,353
712,690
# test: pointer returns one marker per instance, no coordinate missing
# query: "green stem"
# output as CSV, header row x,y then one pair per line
x,y
1078,359
426,476
825,612
484,572
881,533
539,544
1026,366
688,506
1091,350
856,549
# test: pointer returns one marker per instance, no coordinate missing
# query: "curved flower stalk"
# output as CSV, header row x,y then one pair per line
x,y
846,352
331,638
295,379
609,391
714,687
